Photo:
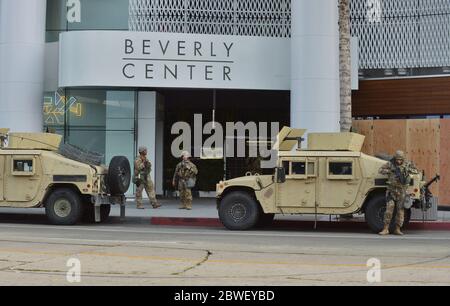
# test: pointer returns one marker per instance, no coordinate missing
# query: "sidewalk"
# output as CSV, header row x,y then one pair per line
x,y
201,208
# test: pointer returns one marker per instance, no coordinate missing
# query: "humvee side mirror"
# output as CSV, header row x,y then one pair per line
x,y
280,175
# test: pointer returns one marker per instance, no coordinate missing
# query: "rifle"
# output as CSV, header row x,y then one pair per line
x,y
401,177
426,193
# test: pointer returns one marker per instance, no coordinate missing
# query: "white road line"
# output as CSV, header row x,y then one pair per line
x,y
227,233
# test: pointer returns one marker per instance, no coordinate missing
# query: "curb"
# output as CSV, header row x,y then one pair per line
x,y
178,221
214,222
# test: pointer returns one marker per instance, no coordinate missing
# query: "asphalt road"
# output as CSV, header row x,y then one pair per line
x,y
33,253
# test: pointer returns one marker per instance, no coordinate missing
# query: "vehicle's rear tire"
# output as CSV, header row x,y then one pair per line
x,y
119,175
89,213
265,220
63,207
238,210
374,214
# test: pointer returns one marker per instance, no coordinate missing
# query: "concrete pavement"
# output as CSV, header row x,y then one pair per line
x,y
137,252
35,254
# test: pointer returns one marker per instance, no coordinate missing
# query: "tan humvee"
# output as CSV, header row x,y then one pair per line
x,y
330,177
33,173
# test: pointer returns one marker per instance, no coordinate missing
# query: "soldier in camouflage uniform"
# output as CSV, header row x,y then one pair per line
x,y
183,172
142,179
398,171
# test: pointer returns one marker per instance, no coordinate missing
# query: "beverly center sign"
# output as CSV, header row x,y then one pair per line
x,y
143,59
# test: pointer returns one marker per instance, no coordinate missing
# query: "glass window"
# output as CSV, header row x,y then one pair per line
x,y
85,15
54,108
340,168
98,120
298,168
23,166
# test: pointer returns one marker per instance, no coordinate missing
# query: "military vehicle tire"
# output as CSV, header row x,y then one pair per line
x,y
119,175
89,213
239,211
265,220
374,214
63,207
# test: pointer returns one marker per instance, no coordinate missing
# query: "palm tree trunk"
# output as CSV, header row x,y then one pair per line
x,y
345,66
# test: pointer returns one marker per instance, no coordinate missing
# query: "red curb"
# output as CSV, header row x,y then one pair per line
x,y
213,222
430,226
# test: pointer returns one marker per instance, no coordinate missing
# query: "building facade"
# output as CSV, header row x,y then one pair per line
x,y
117,74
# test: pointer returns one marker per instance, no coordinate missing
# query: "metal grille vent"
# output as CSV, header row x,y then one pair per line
x,y
269,18
402,33
392,33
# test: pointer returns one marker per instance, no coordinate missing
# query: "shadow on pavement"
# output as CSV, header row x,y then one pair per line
x,y
23,218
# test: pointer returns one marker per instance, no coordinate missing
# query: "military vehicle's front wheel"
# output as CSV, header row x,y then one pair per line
x,y
375,211
239,211
63,207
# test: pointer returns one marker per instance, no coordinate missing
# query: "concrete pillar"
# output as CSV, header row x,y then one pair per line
x,y
22,45
150,133
315,65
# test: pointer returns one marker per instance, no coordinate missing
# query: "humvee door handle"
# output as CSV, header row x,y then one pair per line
x,y
309,182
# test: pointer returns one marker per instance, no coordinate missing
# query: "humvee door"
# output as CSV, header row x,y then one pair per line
x,y
23,176
299,189
339,182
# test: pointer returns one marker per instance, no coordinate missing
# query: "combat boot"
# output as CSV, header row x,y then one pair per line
x,y
156,205
398,231
385,231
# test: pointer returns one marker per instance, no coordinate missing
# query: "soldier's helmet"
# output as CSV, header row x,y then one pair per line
x,y
399,155
186,154
142,149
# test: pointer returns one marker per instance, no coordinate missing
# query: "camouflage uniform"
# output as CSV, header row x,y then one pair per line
x,y
398,183
184,171
143,181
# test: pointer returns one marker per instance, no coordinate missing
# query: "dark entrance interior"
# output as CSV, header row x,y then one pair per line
x,y
230,106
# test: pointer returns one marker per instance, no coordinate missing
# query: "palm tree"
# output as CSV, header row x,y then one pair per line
x,y
345,66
